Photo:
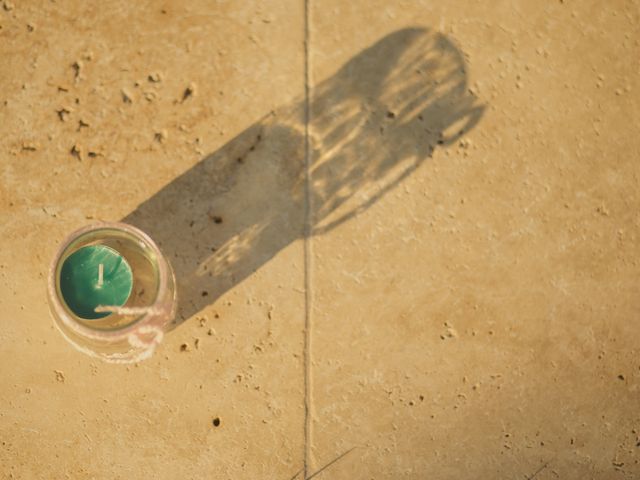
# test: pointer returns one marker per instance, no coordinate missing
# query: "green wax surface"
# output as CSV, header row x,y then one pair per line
x,y
83,286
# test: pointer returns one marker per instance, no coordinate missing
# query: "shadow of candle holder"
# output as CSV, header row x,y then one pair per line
x,y
371,125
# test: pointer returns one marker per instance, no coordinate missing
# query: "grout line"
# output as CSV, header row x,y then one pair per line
x,y
307,252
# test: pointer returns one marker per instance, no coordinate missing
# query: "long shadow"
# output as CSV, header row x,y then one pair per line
x,y
372,124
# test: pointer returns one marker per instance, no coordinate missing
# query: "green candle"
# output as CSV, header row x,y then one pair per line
x,y
95,275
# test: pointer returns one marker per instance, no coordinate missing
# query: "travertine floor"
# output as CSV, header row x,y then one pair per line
x,y
427,264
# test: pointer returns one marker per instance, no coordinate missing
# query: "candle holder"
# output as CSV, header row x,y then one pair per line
x,y
120,333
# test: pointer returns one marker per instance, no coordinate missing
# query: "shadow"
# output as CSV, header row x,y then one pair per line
x,y
372,124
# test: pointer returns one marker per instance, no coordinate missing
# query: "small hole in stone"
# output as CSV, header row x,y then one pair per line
x,y
205,293
216,422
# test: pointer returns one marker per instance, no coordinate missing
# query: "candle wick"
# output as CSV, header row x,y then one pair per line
x,y
100,274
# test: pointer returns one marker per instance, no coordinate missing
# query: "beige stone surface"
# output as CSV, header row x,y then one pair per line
x,y
427,268
152,420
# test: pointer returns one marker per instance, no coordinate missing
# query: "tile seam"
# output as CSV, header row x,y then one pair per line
x,y
307,252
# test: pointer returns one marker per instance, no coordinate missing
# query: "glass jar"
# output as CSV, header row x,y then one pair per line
x,y
131,332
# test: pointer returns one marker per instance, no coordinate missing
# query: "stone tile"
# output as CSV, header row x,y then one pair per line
x,y
164,104
474,262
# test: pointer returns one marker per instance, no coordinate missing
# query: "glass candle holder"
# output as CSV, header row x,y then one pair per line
x,y
120,333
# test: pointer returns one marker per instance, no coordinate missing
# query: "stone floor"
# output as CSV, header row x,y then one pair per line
x,y
427,265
